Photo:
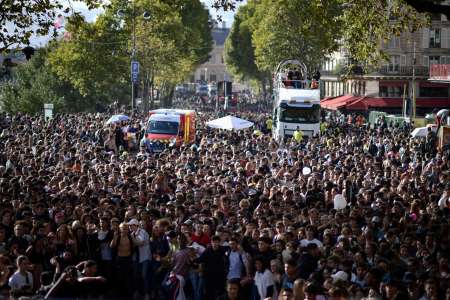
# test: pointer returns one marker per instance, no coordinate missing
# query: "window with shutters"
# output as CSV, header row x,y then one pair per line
x,y
394,63
445,37
391,91
394,42
434,60
435,38
403,60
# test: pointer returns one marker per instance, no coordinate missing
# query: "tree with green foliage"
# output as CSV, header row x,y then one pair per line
x,y
21,19
360,26
369,23
93,60
34,83
239,51
169,45
266,32
172,43
287,29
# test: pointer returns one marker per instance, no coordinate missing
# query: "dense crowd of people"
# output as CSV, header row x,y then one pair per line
x,y
233,216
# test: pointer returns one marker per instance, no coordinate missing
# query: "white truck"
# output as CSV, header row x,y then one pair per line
x,y
296,101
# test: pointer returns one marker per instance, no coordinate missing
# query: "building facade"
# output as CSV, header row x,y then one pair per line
x,y
214,69
386,87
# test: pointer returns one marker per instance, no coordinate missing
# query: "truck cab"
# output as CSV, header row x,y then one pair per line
x,y
169,127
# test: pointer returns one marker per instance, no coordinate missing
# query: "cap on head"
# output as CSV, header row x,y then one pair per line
x,y
133,222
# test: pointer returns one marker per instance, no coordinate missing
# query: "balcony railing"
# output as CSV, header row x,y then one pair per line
x,y
403,70
385,70
344,70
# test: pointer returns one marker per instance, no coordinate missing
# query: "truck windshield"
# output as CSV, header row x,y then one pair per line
x,y
162,127
300,114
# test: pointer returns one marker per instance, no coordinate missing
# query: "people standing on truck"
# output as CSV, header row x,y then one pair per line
x,y
296,77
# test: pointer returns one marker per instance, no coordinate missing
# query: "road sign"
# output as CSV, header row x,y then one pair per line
x,y
134,77
134,71
48,105
135,67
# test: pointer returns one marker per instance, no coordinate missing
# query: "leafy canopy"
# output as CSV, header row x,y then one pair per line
x,y
358,25
94,58
34,84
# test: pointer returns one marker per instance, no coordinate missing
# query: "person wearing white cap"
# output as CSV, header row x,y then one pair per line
x,y
141,257
339,276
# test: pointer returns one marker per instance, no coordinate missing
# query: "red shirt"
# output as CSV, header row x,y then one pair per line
x,y
203,239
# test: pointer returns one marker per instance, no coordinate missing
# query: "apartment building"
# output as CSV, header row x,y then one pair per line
x,y
385,87
214,69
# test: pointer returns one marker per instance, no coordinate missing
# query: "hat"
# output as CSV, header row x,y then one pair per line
x,y
339,276
376,219
133,222
188,222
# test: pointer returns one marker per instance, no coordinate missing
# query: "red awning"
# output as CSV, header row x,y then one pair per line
x,y
433,102
366,103
338,102
433,84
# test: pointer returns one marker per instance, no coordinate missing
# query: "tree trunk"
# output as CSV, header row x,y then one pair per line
x,y
145,92
170,96
269,77
152,98
263,87
167,93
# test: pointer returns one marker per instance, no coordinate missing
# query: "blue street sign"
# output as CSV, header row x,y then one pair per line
x,y
134,77
134,71
135,67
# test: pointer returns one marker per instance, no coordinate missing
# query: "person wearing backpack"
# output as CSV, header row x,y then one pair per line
x,y
238,266
237,261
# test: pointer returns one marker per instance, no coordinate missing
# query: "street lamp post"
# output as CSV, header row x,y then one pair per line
x,y
134,74
133,56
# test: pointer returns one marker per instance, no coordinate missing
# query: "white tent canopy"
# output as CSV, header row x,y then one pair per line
x,y
117,119
229,123
421,131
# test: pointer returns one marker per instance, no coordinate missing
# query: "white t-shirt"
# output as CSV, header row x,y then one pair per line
x,y
263,281
17,281
144,252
